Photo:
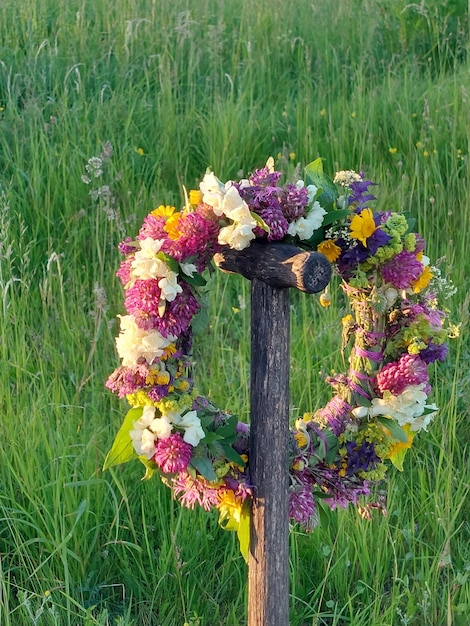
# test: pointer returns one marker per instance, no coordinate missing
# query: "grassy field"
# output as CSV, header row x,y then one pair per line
x,y
175,86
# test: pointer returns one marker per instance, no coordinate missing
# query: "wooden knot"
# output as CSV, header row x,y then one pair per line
x,y
280,265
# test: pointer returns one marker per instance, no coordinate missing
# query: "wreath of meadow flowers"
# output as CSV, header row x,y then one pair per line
x,y
395,331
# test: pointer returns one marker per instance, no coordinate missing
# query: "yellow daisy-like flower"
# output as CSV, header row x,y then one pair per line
x,y
163,211
423,281
363,226
329,249
171,226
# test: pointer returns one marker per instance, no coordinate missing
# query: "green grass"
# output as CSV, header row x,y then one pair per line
x,y
176,86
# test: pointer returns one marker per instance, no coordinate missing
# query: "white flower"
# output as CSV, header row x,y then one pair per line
x,y
188,268
133,342
161,427
304,227
147,417
233,206
145,264
143,439
147,430
192,427
169,287
225,200
409,407
236,236
213,192
346,177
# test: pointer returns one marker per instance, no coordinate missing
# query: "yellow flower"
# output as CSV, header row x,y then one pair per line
x,y
171,226
363,226
168,352
329,249
302,439
195,197
353,114
139,398
425,153
323,112
164,211
419,144
230,507
393,150
398,449
183,385
423,281
140,151
292,156
157,377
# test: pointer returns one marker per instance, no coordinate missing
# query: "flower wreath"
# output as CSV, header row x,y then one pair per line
x,y
396,328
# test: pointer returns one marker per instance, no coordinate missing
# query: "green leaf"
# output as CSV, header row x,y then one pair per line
x,y
150,467
334,216
394,428
122,449
201,462
361,401
228,430
232,455
211,436
196,280
314,175
169,260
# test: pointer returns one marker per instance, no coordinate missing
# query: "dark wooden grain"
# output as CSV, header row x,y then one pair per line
x,y
268,578
278,264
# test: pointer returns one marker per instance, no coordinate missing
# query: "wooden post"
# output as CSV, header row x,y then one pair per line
x,y
272,268
268,578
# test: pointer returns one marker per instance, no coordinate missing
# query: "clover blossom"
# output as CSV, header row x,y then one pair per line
x,y
172,454
402,270
410,369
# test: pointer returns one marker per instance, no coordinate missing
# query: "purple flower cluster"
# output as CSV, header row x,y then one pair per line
x,y
402,270
277,206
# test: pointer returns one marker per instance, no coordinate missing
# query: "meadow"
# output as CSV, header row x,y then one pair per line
x,y
175,86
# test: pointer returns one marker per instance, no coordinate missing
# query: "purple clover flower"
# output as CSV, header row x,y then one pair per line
x,y
410,369
402,270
